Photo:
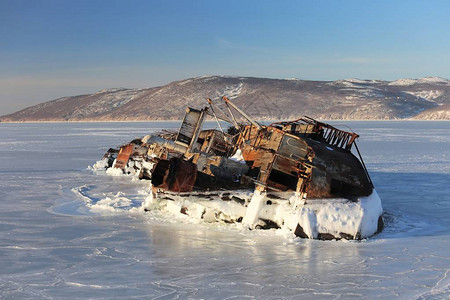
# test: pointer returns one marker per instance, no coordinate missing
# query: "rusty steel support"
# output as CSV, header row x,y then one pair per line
x,y
215,116
228,102
226,117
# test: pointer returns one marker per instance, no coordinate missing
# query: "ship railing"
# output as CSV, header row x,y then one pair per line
x,y
330,134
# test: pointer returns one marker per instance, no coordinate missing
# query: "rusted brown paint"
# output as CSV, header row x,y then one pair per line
x,y
337,174
215,142
284,160
280,160
175,175
123,156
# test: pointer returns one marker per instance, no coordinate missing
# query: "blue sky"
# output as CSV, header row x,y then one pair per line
x,y
50,49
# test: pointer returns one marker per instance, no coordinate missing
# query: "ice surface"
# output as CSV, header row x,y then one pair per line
x,y
53,245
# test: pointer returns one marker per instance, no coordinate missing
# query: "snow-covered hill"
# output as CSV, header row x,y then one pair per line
x,y
424,80
262,98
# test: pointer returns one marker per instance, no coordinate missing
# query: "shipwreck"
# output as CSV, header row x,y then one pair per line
x,y
300,175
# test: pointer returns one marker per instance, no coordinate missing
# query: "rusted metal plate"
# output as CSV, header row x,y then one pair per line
x,y
214,142
188,126
293,147
175,175
269,139
337,174
123,156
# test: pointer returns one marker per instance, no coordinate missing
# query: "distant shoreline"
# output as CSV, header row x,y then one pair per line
x,y
266,98
162,121
91,121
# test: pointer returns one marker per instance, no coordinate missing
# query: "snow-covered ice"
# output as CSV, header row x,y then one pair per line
x,y
68,233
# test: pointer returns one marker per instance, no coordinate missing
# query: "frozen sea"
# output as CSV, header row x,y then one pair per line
x,y
54,243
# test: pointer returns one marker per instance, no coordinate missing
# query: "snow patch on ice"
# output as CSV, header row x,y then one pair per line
x,y
114,172
132,168
99,165
110,204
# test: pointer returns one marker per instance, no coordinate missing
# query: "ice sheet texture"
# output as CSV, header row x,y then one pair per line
x,y
52,245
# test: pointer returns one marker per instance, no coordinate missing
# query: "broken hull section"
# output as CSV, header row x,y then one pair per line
x,y
300,175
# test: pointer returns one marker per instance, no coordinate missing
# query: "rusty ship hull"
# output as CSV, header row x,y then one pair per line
x,y
293,174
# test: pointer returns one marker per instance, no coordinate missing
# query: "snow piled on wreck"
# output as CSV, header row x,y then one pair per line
x,y
311,218
338,216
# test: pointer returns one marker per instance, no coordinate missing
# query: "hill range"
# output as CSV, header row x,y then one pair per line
x,y
262,98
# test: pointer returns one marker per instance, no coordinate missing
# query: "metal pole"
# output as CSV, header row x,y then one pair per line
x,y
364,166
215,116
241,112
219,109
